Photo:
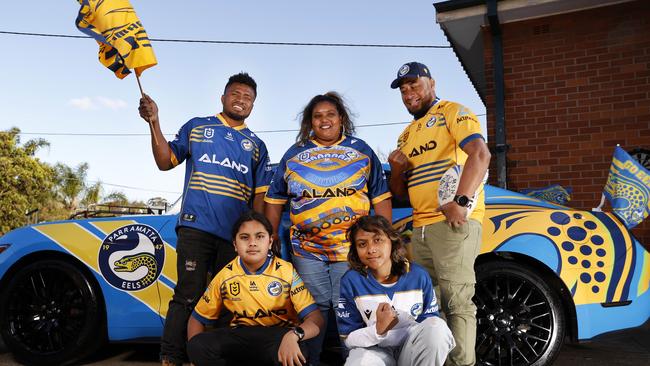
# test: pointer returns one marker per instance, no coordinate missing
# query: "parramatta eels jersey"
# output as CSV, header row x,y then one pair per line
x,y
412,296
432,145
273,296
226,166
329,187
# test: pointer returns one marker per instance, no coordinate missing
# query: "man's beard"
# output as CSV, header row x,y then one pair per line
x,y
236,117
420,112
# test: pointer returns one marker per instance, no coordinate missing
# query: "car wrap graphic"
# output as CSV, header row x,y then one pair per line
x,y
604,269
85,239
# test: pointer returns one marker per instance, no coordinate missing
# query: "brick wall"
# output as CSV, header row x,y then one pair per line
x,y
575,86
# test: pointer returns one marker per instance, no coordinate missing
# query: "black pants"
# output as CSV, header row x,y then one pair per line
x,y
199,256
238,346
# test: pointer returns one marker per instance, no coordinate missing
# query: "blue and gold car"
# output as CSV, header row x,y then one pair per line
x,y
545,272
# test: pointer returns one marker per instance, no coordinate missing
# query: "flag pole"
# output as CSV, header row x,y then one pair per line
x,y
153,133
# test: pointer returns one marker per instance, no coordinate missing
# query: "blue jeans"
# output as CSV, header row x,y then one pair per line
x,y
323,280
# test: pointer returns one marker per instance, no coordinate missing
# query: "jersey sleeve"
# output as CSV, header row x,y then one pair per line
x,y
263,170
429,298
208,308
278,190
348,318
180,145
377,187
302,300
463,125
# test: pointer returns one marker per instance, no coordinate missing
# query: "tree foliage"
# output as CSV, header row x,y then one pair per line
x,y
28,185
25,181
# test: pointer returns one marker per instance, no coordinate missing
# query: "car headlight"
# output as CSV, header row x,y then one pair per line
x,y
4,247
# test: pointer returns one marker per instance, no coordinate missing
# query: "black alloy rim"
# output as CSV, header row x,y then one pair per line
x,y
46,311
514,321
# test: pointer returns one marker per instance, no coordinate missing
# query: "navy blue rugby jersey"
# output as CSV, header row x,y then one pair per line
x,y
226,166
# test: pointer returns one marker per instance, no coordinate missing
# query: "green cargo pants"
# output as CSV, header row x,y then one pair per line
x,y
449,254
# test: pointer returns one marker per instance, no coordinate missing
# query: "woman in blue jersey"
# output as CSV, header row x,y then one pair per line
x,y
330,178
387,313
272,310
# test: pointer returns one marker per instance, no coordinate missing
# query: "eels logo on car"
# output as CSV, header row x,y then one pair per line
x,y
131,258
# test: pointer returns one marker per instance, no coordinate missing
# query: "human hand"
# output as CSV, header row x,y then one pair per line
x,y
455,214
398,161
148,109
289,353
386,318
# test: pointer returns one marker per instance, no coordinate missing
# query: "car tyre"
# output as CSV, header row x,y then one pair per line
x,y
520,319
51,314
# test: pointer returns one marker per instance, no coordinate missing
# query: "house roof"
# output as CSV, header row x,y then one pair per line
x,y
462,21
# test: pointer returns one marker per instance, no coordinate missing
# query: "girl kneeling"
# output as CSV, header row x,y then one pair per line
x,y
266,297
387,312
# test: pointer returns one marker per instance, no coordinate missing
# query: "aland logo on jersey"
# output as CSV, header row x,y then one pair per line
x,y
131,258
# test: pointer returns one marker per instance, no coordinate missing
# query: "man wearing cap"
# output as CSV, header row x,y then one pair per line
x,y
445,240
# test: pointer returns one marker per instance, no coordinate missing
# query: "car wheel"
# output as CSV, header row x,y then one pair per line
x,y
50,313
520,320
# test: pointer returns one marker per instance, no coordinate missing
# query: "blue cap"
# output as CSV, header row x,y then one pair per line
x,y
410,70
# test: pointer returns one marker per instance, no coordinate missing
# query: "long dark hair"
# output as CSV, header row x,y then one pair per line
x,y
305,116
256,216
377,224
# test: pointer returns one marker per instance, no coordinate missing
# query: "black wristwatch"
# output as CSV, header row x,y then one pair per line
x,y
299,332
462,200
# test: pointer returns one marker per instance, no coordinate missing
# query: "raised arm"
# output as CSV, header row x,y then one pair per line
x,y
161,151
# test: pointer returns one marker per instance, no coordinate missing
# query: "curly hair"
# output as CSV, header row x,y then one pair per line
x,y
377,224
306,115
241,78
256,216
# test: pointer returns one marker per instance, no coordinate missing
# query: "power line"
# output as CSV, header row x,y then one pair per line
x,y
171,134
260,43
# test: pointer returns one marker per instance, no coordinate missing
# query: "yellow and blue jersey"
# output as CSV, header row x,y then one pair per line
x,y
226,166
433,144
273,296
329,188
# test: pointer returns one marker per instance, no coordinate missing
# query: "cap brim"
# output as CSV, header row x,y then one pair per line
x,y
395,83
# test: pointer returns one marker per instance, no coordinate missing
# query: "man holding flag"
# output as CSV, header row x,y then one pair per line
x,y
227,168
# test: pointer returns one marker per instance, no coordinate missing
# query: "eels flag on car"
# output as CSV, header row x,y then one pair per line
x,y
123,42
628,188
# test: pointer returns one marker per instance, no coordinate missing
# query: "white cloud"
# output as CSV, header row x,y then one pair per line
x,y
82,103
93,103
111,103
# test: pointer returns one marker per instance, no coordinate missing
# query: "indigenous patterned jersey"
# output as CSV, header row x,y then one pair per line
x,y
432,145
274,295
329,188
411,296
226,167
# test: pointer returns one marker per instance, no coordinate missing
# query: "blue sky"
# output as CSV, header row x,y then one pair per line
x,y
56,85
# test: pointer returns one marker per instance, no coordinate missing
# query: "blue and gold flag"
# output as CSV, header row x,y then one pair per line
x,y
123,42
554,193
628,188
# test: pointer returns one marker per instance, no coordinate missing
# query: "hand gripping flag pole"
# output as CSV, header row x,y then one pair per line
x,y
123,42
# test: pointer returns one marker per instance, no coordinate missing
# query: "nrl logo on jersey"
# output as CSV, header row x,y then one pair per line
x,y
208,133
225,163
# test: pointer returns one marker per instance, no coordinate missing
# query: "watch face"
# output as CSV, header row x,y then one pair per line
x,y
462,200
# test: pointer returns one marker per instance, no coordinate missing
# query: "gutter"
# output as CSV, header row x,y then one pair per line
x,y
501,147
